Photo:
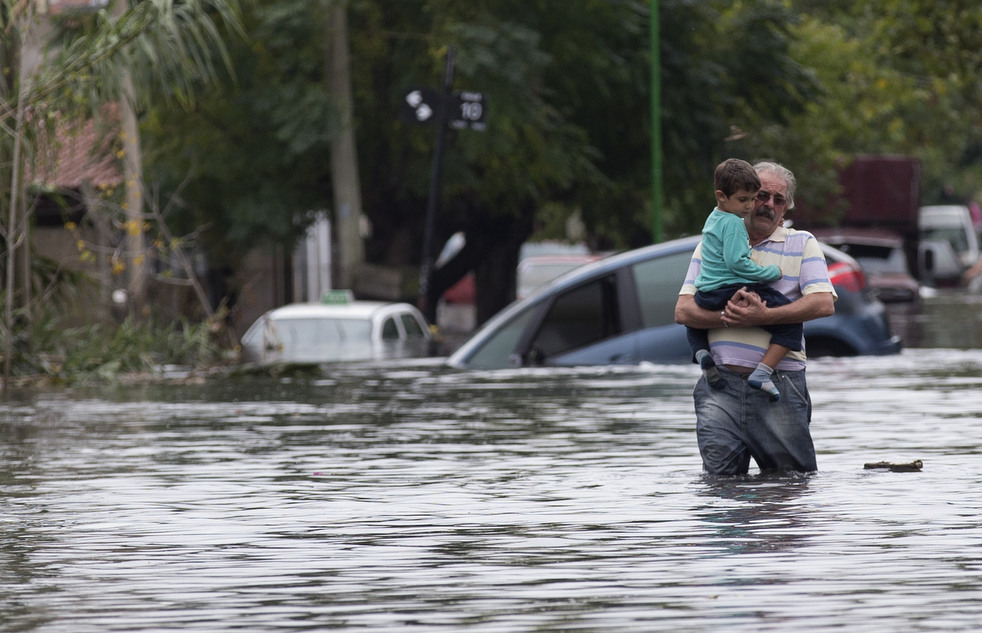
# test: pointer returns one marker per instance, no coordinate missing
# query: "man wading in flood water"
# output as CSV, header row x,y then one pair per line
x,y
734,421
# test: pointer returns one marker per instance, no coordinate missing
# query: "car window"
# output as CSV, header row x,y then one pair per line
x,y
534,275
658,281
497,351
954,235
306,332
411,326
390,331
581,316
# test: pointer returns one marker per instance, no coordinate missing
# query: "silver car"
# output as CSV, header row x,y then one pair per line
x,y
621,310
310,333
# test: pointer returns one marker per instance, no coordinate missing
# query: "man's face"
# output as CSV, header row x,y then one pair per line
x,y
768,214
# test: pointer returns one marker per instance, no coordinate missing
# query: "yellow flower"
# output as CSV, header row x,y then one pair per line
x,y
118,267
71,226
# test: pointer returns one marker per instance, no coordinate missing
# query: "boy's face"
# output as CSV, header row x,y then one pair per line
x,y
741,202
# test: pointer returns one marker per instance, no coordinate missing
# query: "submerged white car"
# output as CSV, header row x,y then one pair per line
x,y
312,333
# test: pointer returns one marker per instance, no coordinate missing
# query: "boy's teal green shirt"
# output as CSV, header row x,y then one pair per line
x,y
726,254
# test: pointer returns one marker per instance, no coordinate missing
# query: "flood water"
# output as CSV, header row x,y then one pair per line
x,y
414,498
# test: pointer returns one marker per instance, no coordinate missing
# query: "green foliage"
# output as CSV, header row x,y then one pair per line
x,y
252,156
105,352
728,76
163,47
809,84
900,77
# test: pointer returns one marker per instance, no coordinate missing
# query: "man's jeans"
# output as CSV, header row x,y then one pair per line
x,y
738,422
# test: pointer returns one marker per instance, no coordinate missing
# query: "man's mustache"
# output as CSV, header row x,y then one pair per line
x,y
764,211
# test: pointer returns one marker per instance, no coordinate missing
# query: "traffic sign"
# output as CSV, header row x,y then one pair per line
x,y
420,105
468,110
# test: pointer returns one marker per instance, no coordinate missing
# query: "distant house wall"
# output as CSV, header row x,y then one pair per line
x,y
60,245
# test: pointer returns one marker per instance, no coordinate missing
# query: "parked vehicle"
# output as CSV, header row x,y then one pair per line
x,y
949,244
621,310
883,258
348,330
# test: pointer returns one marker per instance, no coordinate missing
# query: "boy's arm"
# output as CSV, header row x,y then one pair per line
x,y
736,254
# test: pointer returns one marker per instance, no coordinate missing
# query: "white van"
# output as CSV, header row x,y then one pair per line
x,y
948,242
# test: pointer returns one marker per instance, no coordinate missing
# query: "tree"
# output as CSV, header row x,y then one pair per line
x,y
568,132
253,157
896,77
84,62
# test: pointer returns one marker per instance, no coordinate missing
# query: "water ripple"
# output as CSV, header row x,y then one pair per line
x,y
415,498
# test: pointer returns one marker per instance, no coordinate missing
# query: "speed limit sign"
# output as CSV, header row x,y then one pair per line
x,y
469,110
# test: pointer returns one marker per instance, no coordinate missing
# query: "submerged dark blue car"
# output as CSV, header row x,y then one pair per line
x,y
621,310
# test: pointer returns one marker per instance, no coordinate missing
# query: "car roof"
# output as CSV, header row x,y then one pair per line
x,y
618,260
600,266
943,213
351,310
558,259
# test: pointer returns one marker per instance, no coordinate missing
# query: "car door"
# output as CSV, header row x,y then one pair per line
x,y
647,291
588,324
657,282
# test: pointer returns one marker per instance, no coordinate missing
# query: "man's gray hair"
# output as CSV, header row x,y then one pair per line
x,y
766,167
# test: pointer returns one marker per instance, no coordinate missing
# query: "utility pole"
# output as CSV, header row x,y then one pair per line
x,y
656,154
344,158
436,171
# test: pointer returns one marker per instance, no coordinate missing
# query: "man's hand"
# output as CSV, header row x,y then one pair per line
x,y
745,308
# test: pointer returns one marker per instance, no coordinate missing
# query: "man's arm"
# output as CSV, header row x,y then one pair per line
x,y
690,314
746,309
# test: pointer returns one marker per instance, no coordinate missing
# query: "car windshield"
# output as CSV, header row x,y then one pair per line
x,y
876,259
954,235
310,332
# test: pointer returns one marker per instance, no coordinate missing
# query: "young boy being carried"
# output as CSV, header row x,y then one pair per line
x,y
727,267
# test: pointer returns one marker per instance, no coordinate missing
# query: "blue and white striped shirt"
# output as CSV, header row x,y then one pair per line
x,y
804,271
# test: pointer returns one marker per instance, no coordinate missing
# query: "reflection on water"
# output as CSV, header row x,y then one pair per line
x,y
413,498
944,319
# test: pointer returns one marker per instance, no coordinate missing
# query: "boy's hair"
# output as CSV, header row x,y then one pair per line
x,y
734,174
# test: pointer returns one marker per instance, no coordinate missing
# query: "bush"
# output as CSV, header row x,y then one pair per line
x,y
109,351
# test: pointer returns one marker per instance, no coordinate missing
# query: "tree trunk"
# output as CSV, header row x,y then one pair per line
x,y
498,245
136,241
344,158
